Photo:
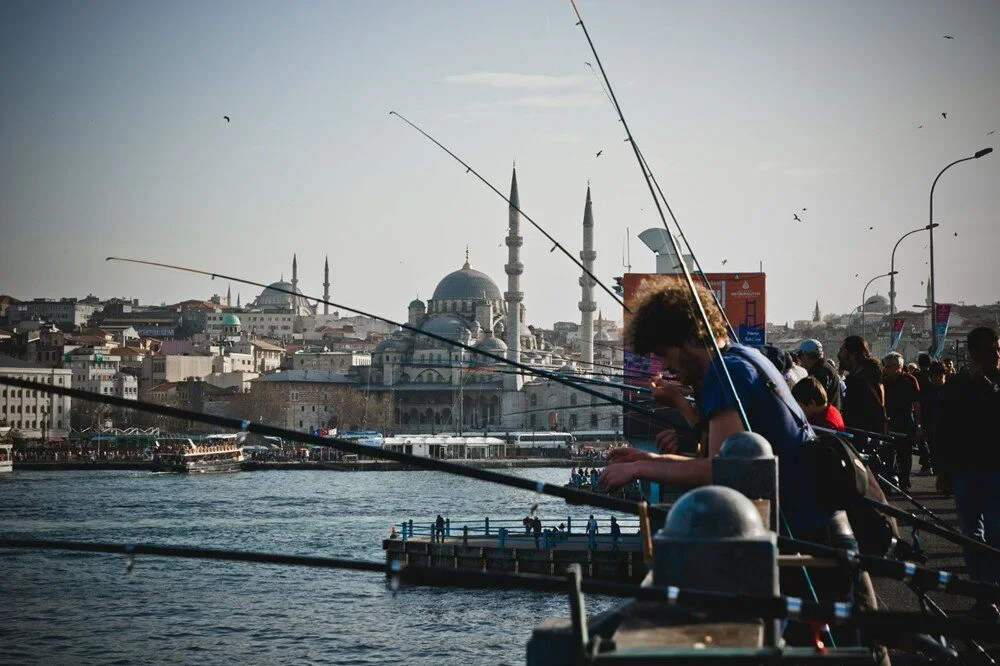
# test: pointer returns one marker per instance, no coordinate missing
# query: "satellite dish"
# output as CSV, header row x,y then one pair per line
x,y
656,239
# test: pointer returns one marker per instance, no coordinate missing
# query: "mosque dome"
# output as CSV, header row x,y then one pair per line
x,y
229,319
877,303
275,296
448,326
467,284
417,303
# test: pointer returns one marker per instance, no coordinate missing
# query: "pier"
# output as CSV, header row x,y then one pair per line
x,y
504,545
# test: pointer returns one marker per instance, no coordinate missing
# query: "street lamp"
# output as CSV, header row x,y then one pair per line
x,y
930,222
864,291
892,267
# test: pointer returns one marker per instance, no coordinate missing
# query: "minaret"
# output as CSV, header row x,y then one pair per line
x,y
587,305
513,296
326,285
295,273
238,300
229,296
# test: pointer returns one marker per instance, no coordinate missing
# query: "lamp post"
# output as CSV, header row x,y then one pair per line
x,y
930,223
892,267
864,292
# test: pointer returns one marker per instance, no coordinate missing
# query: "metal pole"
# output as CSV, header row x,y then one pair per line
x,y
892,267
930,223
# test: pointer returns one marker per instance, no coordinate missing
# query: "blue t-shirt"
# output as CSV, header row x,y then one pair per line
x,y
770,418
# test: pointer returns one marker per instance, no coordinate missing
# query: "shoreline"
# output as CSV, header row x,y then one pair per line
x,y
360,466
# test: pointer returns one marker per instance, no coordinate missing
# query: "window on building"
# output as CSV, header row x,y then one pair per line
x,y
572,399
534,400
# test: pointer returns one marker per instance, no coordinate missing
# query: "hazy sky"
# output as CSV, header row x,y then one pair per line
x,y
113,143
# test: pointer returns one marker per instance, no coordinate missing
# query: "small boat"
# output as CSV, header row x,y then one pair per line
x,y
213,454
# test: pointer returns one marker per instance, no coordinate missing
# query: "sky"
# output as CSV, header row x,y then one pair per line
x,y
114,143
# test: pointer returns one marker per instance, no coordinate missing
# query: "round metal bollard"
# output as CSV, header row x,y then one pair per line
x,y
711,513
746,463
746,446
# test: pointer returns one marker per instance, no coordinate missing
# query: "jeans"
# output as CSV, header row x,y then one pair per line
x,y
977,500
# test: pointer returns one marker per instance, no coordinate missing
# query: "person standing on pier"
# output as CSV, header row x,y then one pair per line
x,y
536,526
439,529
616,533
902,406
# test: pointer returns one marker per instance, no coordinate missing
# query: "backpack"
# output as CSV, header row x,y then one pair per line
x,y
842,480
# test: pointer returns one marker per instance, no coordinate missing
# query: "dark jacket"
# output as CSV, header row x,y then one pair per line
x,y
967,436
828,376
864,405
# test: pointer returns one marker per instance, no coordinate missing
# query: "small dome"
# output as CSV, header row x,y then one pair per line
x,y
466,284
417,303
448,326
492,345
229,319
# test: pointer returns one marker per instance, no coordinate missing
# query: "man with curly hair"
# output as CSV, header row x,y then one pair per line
x,y
667,325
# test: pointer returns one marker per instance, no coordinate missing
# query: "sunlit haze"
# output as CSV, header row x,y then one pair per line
x,y
114,143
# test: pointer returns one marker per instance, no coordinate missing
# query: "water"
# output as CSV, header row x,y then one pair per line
x,y
78,608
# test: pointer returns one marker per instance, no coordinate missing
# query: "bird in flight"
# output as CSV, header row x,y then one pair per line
x,y
956,234
870,228
724,261
599,152
804,209
990,132
795,216
947,37
920,126
856,275
227,118
945,116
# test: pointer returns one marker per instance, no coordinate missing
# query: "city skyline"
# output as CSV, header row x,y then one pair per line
x,y
119,146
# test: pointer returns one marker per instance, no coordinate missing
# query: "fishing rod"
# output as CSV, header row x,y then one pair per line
x,y
927,526
923,509
883,567
689,281
557,244
679,424
347,446
678,600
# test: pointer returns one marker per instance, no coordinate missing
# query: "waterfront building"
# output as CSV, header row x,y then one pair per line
x,y
97,369
35,415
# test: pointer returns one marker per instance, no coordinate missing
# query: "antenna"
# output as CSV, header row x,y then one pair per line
x,y
627,251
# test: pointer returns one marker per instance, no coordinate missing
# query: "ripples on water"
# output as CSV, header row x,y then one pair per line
x,y
83,608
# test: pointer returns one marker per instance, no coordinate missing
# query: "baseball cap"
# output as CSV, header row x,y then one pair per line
x,y
811,346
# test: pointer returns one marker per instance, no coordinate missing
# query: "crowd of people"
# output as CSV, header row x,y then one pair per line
x,y
941,411
583,476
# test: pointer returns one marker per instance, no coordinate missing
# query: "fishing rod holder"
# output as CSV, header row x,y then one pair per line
x,y
747,464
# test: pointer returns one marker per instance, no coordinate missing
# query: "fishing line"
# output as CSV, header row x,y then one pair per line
x,y
557,244
716,603
684,269
440,338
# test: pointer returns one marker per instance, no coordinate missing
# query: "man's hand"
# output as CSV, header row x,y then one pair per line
x,y
628,455
669,393
666,441
615,476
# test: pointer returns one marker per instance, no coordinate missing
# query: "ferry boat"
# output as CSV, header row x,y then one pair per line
x,y
214,454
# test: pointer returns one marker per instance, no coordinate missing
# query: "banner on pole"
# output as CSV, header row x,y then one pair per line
x,y
897,333
942,313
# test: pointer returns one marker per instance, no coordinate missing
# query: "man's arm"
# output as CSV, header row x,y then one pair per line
x,y
678,470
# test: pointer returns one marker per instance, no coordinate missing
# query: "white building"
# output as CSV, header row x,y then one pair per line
x,y
330,361
34,413
97,369
65,312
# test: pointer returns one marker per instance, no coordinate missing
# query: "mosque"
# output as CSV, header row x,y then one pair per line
x,y
438,387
